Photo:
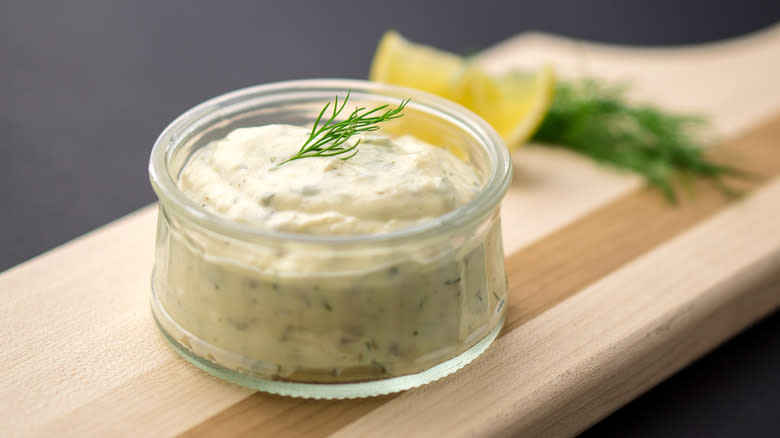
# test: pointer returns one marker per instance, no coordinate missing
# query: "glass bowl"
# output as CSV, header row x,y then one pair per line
x,y
329,316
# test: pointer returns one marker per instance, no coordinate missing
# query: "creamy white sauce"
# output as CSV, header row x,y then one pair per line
x,y
389,184
292,311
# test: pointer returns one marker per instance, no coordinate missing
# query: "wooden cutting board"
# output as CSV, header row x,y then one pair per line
x,y
611,289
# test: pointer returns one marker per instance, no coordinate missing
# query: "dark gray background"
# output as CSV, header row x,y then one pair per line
x,y
86,86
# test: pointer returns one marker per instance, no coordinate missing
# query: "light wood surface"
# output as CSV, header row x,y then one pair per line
x,y
605,344
645,289
541,276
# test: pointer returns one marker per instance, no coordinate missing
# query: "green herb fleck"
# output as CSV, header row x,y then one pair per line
x,y
394,349
379,366
452,281
239,325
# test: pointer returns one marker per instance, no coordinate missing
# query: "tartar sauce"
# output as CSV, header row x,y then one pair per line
x,y
389,184
285,311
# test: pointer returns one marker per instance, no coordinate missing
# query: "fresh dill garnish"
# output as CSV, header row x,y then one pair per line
x,y
595,119
329,139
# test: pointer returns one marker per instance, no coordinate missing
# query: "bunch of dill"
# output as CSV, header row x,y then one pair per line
x,y
595,119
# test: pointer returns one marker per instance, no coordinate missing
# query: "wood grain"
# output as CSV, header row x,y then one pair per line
x,y
564,369
592,322
267,414
544,274
723,80
732,82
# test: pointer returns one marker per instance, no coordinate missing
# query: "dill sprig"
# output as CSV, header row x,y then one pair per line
x,y
329,139
595,119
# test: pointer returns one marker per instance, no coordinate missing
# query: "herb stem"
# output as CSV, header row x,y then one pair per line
x,y
328,139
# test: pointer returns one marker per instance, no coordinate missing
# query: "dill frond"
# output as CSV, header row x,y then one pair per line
x,y
329,139
596,120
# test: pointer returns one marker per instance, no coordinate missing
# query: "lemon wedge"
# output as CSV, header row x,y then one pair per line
x,y
514,103
401,62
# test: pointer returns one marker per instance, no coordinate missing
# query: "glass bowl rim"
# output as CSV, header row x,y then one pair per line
x,y
176,201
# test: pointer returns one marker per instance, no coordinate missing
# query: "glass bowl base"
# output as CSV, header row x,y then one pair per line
x,y
172,333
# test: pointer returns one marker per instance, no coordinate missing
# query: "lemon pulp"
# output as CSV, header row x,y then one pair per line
x,y
514,103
